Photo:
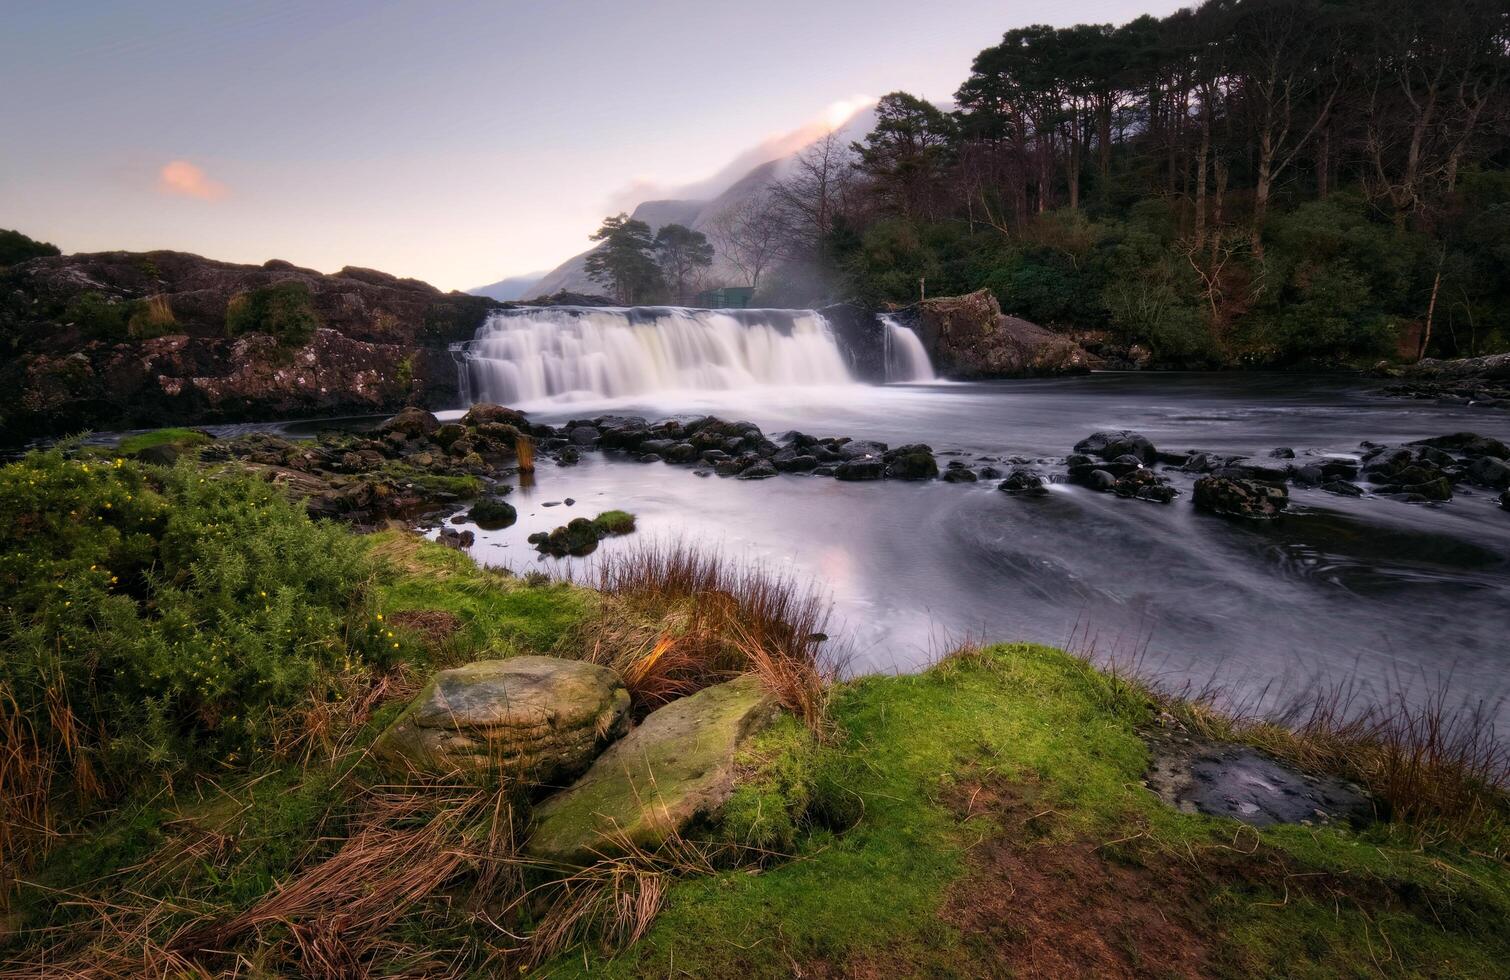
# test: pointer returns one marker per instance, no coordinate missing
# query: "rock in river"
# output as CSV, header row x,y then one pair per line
x,y
678,766
1110,445
535,720
1240,498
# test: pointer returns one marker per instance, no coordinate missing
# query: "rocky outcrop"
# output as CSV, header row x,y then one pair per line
x,y
534,720
678,767
969,337
126,339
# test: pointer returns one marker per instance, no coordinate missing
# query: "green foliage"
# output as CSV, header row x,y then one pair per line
x,y
681,253
1333,279
98,317
156,621
908,151
625,260
282,310
16,247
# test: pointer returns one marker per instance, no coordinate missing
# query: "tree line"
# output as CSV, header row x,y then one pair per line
x,y
1247,181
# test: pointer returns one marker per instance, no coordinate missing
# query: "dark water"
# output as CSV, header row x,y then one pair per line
x,y
1393,596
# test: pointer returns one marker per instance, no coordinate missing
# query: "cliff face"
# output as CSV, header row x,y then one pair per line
x,y
119,340
969,337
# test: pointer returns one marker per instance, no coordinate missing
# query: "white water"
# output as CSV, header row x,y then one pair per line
x,y
906,358
569,354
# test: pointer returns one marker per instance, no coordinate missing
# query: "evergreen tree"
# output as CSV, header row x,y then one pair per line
x,y
625,261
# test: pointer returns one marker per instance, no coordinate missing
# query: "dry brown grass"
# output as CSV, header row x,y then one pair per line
x,y
439,852
524,450
611,903
673,620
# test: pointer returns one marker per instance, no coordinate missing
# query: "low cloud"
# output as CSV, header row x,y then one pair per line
x,y
184,179
852,118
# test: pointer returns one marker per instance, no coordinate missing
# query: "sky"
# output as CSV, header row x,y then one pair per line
x,y
455,142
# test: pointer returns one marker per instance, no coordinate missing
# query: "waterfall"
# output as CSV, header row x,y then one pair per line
x,y
568,353
906,358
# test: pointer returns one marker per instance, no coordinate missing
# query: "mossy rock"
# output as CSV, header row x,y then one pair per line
x,y
536,721
678,768
491,514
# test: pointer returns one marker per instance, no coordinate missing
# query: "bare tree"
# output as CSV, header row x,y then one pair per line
x,y
817,189
751,234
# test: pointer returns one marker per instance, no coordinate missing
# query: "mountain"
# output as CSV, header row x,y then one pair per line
x,y
512,288
746,178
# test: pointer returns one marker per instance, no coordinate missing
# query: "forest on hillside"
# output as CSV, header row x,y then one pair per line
x,y
1261,182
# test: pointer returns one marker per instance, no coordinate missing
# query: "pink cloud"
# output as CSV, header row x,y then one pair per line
x,y
185,179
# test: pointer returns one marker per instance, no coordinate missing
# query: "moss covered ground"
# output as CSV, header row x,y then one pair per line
x,y
991,783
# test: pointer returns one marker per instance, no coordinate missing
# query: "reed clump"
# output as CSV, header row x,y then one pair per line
x,y
673,620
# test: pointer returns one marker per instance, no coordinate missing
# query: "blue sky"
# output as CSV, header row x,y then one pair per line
x,y
454,142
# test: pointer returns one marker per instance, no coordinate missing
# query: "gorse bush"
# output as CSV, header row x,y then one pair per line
x,y
161,620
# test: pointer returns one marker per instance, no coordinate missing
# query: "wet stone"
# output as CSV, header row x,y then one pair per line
x,y
1225,779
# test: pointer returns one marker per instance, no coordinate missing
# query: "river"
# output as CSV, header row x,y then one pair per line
x,y
1389,597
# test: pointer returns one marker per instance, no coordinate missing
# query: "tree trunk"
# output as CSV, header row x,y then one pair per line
x,y
1262,187
1200,181
1431,308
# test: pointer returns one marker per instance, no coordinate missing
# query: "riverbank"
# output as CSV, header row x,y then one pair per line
x,y
224,668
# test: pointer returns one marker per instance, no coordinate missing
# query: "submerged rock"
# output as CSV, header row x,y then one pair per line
x,y
1240,498
1225,779
677,767
533,720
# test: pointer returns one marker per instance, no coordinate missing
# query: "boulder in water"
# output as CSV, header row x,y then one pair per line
x,y
860,469
1110,445
484,412
1490,472
415,423
534,720
1023,482
492,514
913,462
1240,498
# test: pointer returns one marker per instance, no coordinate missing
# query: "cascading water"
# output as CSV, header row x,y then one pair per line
x,y
906,358
570,353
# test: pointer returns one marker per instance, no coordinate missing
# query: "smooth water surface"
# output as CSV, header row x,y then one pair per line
x,y
1395,596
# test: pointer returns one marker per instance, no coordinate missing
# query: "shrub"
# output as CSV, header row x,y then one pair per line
x,y
282,311
160,620
97,316
16,247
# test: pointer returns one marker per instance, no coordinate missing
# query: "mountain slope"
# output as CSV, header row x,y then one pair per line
x,y
700,214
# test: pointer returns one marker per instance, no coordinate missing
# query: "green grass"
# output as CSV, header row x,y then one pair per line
x,y
1049,726
615,521
464,486
181,438
499,614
